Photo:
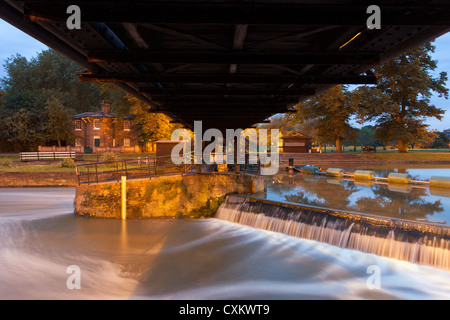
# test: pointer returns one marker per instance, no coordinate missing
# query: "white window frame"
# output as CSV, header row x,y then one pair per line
x,y
96,138
77,125
126,142
93,124
125,126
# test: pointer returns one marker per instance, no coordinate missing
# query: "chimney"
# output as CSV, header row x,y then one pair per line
x,y
106,108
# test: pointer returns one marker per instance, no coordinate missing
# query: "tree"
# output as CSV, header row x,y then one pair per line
x,y
149,126
366,137
58,122
22,130
2,97
279,121
331,111
400,103
30,84
440,141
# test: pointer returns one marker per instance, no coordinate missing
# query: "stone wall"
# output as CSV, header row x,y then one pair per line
x,y
193,196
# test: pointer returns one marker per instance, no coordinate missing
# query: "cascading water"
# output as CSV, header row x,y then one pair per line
x,y
399,239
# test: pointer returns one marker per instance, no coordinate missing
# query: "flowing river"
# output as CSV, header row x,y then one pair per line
x,y
41,240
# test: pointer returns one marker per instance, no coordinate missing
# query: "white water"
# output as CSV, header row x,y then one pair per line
x,y
182,259
427,250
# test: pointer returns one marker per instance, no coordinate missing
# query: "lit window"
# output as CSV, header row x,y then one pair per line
x,y
126,142
96,124
126,125
78,125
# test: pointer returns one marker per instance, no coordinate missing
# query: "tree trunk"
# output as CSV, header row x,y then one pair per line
x,y
59,142
338,145
401,145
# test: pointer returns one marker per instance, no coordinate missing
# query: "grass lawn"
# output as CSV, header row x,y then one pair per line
x,y
12,157
50,167
410,156
12,163
120,156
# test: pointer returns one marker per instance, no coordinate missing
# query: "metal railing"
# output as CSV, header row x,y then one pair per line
x,y
146,167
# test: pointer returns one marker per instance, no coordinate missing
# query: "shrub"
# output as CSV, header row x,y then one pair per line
x,y
109,156
6,163
68,163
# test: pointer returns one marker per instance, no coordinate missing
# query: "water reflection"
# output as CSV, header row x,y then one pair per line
x,y
393,200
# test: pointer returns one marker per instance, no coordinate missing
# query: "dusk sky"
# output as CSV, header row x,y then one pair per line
x,y
14,41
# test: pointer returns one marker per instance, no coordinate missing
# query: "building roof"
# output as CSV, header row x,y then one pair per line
x,y
170,141
100,114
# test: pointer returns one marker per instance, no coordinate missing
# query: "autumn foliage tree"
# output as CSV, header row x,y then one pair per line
x,y
331,112
400,103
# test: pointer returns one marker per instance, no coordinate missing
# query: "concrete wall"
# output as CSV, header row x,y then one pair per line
x,y
193,196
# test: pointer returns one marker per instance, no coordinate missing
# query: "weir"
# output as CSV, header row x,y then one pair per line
x,y
419,243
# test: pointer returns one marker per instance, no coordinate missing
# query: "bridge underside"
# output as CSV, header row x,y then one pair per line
x,y
230,64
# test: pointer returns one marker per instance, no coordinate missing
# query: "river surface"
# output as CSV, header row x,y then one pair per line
x,y
40,238
388,200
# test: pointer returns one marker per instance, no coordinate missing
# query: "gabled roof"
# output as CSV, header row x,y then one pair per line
x,y
295,134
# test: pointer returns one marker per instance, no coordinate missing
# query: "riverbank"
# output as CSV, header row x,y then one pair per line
x,y
38,179
45,174
429,158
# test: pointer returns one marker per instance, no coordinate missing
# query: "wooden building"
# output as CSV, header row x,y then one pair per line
x,y
164,148
296,142
103,131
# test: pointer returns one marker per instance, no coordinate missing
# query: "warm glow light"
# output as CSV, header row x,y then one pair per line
x,y
357,35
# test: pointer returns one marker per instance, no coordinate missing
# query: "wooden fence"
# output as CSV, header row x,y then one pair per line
x,y
46,156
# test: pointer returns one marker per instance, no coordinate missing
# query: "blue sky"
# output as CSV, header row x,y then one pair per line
x,y
13,41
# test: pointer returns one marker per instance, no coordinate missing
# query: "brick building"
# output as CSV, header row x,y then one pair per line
x,y
103,131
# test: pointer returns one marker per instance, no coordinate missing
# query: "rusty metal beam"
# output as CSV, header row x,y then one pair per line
x,y
236,57
226,78
225,91
237,13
